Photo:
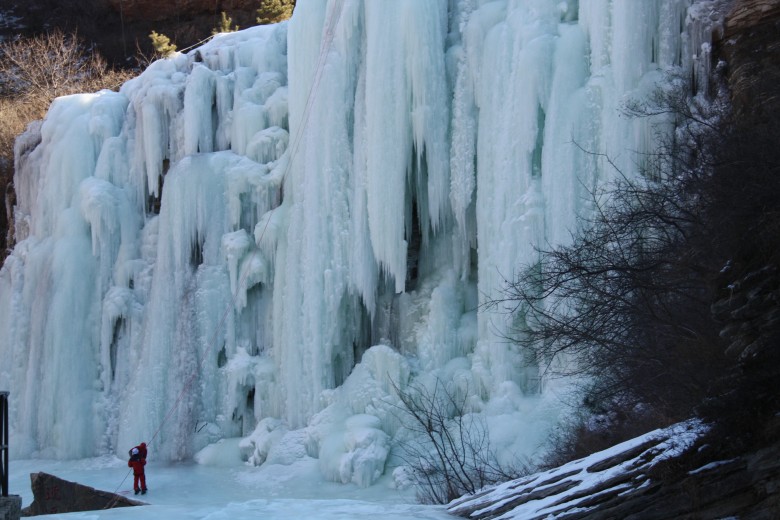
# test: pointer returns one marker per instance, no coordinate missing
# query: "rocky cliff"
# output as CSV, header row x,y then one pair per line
x,y
120,28
751,49
154,10
640,479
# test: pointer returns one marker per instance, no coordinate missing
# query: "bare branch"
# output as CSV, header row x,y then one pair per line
x,y
449,452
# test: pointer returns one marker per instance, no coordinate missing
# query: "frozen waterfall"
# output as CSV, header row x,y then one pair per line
x,y
262,237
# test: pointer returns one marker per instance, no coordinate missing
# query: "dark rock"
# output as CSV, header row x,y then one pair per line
x,y
751,47
119,29
621,457
10,507
54,495
154,10
647,486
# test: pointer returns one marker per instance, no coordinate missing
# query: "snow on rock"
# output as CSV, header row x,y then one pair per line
x,y
582,485
356,453
351,436
257,445
222,453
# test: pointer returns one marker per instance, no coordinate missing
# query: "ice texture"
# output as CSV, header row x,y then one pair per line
x,y
270,236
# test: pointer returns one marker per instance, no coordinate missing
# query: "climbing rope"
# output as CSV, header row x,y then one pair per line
x,y
333,19
197,44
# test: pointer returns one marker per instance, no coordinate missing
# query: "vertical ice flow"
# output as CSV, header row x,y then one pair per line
x,y
275,230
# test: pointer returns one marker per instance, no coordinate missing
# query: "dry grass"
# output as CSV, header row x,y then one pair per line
x,y
33,72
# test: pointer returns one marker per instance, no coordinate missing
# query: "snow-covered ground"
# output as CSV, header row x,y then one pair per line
x,y
233,490
223,487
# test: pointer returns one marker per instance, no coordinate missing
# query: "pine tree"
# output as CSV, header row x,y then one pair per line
x,y
162,44
274,11
225,25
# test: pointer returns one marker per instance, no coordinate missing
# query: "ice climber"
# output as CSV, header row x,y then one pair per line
x,y
137,463
141,450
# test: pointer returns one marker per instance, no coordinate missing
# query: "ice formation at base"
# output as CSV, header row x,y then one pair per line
x,y
264,237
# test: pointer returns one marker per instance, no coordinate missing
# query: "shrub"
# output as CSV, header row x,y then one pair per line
x,y
449,453
34,71
274,11
162,45
629,299
224,25
668,298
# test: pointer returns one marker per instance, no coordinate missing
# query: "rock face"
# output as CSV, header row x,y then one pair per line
x,y
751,49
749,301
153,10
54,495
750,14
10,507
639,479
120,28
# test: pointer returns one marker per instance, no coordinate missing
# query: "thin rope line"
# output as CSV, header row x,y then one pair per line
x,y
197,44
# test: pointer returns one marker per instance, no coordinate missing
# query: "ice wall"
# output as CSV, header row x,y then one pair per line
x,y
264,237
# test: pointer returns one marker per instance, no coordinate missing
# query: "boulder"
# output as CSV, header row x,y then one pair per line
x,y
54,495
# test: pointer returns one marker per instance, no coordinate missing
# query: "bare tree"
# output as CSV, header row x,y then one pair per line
x,y
449,452
629,299
50,65
34,71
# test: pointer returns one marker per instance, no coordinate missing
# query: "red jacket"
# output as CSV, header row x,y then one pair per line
x,y
137,465
141,450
